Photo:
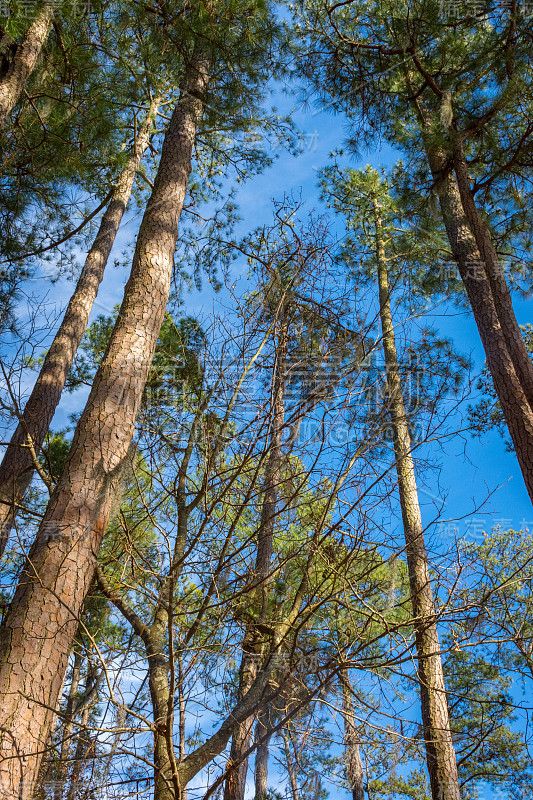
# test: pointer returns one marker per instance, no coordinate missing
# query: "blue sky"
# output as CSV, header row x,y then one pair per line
x,y
470,468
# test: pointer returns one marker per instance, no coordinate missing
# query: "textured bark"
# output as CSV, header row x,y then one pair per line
x,y
513,399
496,277
488,296
16,469
24,61
41,623
354,767
159,692
440,752
235,786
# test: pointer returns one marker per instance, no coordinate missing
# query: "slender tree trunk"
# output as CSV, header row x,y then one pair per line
x,y
167,779
43,618
354,766
291,771
235,786
66,742
440,753
159,693
16,469
488,295
262,727
84,745
24,61
153,635
182,711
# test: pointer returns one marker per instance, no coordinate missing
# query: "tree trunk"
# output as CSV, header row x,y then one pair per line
x,y
354,767
496,277
84,745
66,741
440,753
159,693
24,61
43,618
488,295
262,727
513,399
16,469
166,781
235,786
291,771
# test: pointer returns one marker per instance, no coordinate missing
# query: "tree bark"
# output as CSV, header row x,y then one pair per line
x,y
487,293
262,727
24,61
496,277
513,399
16,469
159,693
43,617
235,785
354,767
440,752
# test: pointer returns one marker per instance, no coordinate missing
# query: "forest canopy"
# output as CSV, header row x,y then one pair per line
x,y
266,400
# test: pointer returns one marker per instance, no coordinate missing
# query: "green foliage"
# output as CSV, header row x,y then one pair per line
x,y
430,367
482,711
385,65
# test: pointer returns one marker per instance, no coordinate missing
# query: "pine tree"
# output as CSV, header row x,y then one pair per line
x,y
17,466
22,61
365,200
386,67
62,560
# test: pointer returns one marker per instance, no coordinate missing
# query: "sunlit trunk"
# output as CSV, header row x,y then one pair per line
x,y
440,752
17,467
40,625
24,60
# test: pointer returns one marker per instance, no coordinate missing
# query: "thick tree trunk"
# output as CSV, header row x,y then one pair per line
x,y
43,618
496,277
16,469
235,786
440,753
513,398
487,292
24,61
354,766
